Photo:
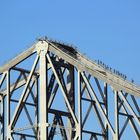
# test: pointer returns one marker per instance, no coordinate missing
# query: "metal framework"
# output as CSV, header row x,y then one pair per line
x,y
51,91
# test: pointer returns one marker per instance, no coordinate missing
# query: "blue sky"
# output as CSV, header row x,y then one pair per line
x,y
108,30
103,29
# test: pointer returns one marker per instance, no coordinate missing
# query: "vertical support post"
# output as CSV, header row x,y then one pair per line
x,y
43,97
106,109
2,119
37,108
8,106
116,117
79,131
71,89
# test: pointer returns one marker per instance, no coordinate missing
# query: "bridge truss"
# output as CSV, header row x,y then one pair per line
x,y
51,91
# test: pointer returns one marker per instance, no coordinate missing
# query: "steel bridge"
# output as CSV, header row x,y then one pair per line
x,y
51,91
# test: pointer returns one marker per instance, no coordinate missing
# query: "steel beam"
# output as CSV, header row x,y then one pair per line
x,y
9,136
43,96
79,129
116,136
84,64
18,59
63,91
2,119
24,94
96,99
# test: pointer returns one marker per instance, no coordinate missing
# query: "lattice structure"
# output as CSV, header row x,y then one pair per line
x,y
51,91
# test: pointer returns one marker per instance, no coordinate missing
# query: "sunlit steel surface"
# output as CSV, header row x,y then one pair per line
x,y
51,91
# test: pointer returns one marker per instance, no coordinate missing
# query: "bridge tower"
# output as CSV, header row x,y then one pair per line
x,y
53,92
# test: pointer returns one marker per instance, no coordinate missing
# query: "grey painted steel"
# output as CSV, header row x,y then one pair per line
x,y
43,96
58,69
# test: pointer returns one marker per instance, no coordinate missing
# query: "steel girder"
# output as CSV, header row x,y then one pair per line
x,y
51,92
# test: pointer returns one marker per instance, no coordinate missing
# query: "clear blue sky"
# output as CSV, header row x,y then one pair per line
x,y
103,29
108,30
